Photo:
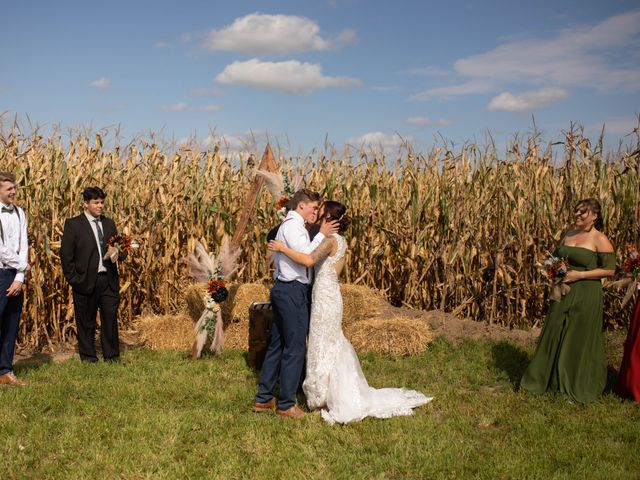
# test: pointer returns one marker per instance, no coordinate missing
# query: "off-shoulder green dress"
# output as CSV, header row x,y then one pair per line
x,y
570,353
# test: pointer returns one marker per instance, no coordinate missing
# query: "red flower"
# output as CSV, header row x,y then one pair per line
x,y
282,202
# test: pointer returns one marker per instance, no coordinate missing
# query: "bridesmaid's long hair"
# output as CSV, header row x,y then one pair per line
x,y
594,206
336,211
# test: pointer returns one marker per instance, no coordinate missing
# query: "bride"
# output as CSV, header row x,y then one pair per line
x,y
334,380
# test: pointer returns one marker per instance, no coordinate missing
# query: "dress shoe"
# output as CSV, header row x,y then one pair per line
x,y
10,378
293,412
264,407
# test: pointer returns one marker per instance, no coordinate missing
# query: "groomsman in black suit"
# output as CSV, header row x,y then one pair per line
x,y
14,251
94,280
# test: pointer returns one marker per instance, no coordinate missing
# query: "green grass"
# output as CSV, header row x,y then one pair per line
x,y
165,417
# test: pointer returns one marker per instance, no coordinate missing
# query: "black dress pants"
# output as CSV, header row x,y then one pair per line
x,y
86,307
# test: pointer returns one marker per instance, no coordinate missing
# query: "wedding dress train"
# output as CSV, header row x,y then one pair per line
x,y
334,380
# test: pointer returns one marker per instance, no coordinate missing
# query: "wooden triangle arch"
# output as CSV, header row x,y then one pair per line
x,y
269,164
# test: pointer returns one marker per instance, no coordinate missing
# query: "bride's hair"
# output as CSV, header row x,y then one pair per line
x,y
336,211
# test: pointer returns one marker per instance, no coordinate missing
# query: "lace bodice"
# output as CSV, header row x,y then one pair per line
x,y
326,270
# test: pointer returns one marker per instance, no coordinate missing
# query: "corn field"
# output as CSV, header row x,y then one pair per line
x,y
461,230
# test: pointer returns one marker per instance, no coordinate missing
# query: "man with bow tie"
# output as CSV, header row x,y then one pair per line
x,y
14,253
94,280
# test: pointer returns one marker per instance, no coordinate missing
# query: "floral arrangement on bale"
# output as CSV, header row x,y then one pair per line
x,y
119,246
556,269
631,280
215,272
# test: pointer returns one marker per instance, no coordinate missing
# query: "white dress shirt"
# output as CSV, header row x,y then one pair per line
x,y
91,218
293,233
14,250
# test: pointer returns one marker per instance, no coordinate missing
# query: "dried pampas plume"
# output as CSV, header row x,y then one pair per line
x,y
275,184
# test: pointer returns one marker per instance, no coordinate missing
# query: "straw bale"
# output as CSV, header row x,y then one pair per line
x,y
172,332
389,336
237,336
360,303
193,302
244,296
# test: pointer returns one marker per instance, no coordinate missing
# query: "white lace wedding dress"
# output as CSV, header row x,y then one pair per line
x,y
334,380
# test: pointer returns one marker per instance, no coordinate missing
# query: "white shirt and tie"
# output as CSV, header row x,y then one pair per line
x,y
94,226
14,245
294,234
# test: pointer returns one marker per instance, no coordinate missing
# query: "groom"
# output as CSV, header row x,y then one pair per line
x,y
290,303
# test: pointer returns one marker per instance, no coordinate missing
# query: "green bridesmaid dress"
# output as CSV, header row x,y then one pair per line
x,y
570,353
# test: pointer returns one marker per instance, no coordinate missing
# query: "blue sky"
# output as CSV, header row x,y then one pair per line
x,y
298,72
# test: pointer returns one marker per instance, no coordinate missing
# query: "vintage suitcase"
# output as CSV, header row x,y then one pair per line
x,y
259,333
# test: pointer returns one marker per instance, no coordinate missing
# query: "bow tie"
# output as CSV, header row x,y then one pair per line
x,y
8,209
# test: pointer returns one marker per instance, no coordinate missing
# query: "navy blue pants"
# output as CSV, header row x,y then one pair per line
x,y
10,308
285,356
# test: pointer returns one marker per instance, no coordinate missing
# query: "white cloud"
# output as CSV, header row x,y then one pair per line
x,y
261,34
431,71
379,139
347,37
183,107
589,56
290,76
207,108
424,121
527,101
206,92
186,38
160,44
386,88
175,107
466,88
100,83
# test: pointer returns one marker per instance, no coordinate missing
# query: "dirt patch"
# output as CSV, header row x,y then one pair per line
x,y
457,329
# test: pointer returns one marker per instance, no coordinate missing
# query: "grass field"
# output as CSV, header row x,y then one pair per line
x,y
162,416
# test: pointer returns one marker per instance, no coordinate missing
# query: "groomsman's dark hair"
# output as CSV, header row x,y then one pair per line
x,y
93,193
7,177
305,196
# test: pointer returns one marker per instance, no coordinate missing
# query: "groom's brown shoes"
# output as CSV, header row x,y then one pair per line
x,y
10,378
294,412
264,407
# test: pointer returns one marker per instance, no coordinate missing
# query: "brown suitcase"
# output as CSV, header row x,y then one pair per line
x,y
260,314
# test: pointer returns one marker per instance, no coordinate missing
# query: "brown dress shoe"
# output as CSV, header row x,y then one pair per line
x,y
293,412
10,378
264,407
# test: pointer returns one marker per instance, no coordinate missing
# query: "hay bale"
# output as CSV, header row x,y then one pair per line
x,y
360,303
159,332
243,297
193,302
389,336
236,336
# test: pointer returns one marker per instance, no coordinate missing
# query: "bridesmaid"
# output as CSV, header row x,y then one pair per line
x,y
629,378
570,355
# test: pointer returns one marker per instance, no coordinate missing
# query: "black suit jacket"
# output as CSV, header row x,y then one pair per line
x,y
79,254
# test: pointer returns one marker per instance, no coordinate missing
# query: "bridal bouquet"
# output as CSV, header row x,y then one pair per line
x,y
119,245
556,269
